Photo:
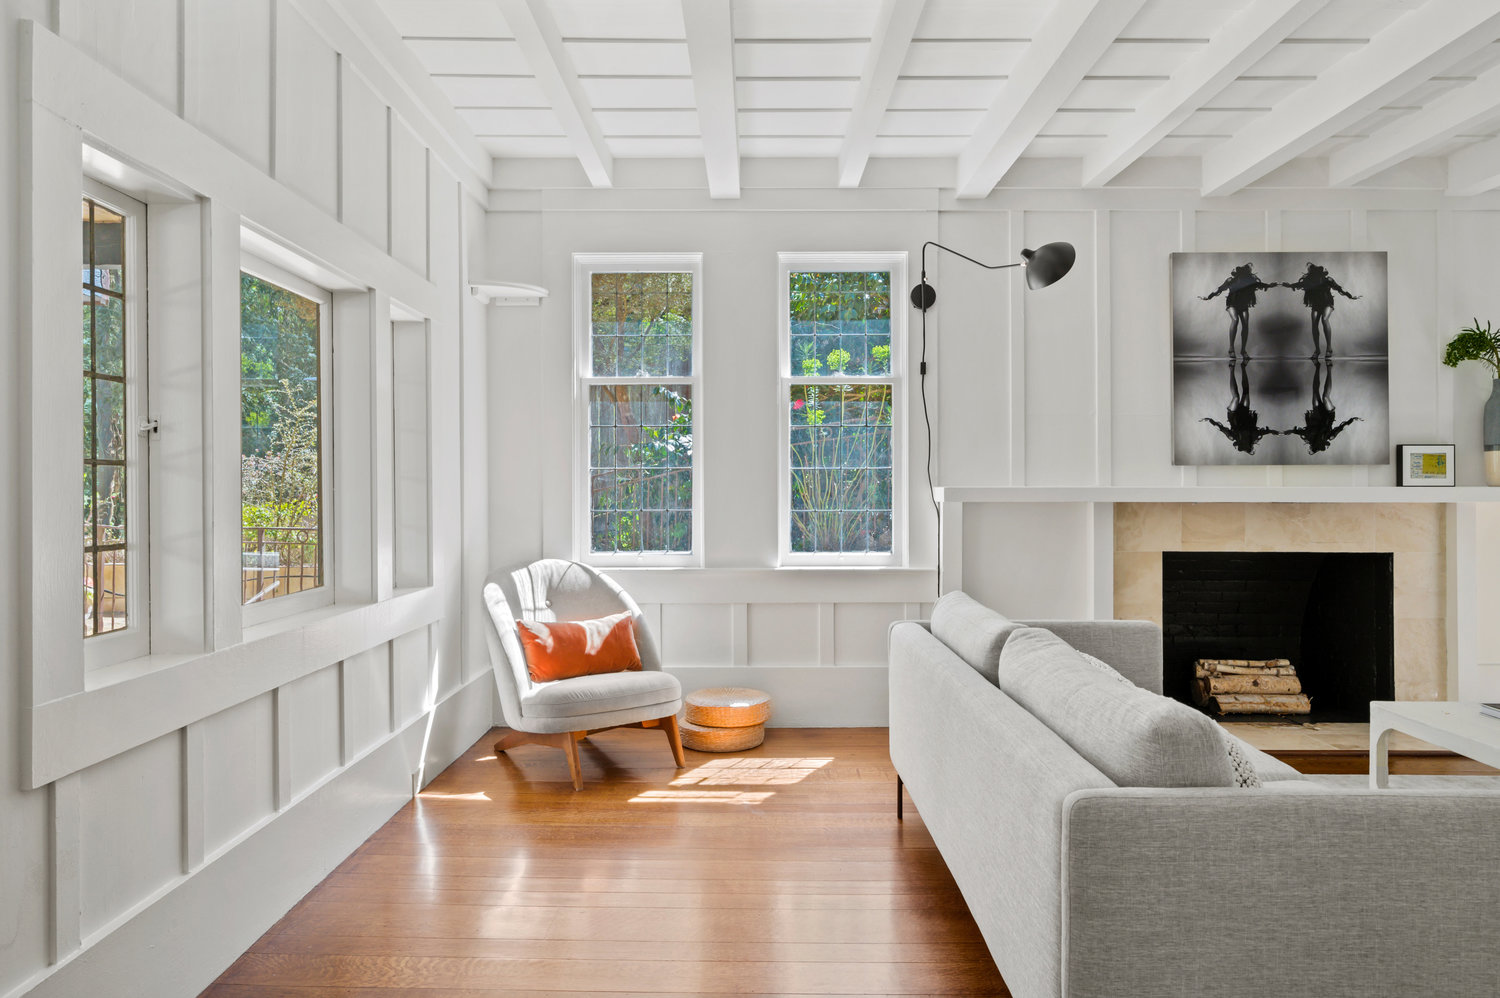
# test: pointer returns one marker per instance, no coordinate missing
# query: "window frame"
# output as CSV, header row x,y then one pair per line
x,y
308,599
585,265
134,640
894,262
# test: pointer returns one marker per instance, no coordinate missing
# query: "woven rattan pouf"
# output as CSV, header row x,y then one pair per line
x,y
724,719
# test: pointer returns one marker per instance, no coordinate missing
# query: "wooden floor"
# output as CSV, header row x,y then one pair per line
x,y
778,871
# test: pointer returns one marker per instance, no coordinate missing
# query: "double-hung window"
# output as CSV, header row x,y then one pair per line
x,y
285,454
115,573
841,409
638,494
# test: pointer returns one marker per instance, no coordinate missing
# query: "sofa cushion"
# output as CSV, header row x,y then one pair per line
x,y
1135,737
1269,768
972,630
601,694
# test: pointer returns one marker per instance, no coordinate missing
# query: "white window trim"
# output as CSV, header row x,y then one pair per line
x,y
895,263
585,265
308,599
135,640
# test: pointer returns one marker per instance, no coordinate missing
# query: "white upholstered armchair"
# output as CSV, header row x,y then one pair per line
x,y
562,712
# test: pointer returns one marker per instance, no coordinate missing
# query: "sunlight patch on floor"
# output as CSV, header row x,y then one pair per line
x,y
702,797
751,772
477,795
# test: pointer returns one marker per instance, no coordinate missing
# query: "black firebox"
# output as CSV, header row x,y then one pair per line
x,y
1331,614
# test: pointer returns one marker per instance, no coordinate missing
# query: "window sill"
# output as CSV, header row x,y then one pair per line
x,y
126,705
782,584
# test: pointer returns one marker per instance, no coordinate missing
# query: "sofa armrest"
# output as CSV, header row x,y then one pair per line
x,y
1132,646
1296,891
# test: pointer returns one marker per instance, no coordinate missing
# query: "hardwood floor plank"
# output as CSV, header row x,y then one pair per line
x,y
729,951
592,976
778,871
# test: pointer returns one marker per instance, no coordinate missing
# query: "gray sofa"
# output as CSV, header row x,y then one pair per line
x,y
1167,877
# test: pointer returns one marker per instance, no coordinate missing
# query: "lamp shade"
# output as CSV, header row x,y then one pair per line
x,y
1049,264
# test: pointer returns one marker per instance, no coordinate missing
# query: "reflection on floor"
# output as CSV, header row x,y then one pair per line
x,y
777,871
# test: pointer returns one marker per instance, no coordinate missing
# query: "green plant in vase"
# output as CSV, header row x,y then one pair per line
x,y
1482,343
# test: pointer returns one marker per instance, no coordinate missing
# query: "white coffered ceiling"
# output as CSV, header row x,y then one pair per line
x,y
1245,86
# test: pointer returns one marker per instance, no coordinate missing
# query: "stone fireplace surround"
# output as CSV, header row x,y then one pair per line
x,y
1413,533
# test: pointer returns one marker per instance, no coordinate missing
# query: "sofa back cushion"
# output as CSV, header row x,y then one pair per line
x,y
972,630
1133,736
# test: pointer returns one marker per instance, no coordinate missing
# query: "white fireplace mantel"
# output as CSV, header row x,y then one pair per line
x,y
1049,550
1131,493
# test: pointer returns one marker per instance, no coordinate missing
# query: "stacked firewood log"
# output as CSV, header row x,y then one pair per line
x,y
1249,686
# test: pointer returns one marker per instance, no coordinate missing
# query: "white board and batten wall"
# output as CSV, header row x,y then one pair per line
x,y
1067,386
158,818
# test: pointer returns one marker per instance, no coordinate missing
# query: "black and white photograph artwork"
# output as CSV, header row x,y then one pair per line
x,y
1280,358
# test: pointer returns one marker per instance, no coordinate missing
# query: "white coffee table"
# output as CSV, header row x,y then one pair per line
x,y
1453,725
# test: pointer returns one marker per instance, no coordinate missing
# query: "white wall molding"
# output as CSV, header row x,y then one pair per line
x,y
127,122
774,585
77,731
265,869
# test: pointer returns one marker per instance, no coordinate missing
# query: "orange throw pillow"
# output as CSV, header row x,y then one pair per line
x,y
564,649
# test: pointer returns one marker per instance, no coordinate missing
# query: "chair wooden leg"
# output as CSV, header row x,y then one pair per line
x,y
669,725
570,748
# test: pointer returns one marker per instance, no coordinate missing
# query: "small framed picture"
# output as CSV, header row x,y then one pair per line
x,y
1424,464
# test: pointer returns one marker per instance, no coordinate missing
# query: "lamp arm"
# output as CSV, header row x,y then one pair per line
x,y
949,249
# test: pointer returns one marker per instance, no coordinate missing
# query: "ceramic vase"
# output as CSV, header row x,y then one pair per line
x,y
1492,436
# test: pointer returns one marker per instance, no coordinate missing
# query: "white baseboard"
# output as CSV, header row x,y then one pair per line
x,y
179,944
806,696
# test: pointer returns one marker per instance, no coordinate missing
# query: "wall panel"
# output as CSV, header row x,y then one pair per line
x,y
782,633
238,775
364,162
969,349
860,630
696,634
367,698
229,75
411,665
130,841
1469,279
311,707
1140,317
1029,560
1060,377
307,110
1410,241
1315,230
120,35
408,197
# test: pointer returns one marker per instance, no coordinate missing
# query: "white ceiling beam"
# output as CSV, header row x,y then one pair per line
x,y
1474,169
541,43
1070,41
1238,45
1451,115
894,27
1416,47
710,42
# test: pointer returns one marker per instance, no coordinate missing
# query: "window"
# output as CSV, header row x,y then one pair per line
x,y
638,342
115,576
841,408
284,445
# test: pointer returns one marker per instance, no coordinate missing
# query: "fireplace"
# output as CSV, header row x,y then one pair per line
x,y
1330,614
